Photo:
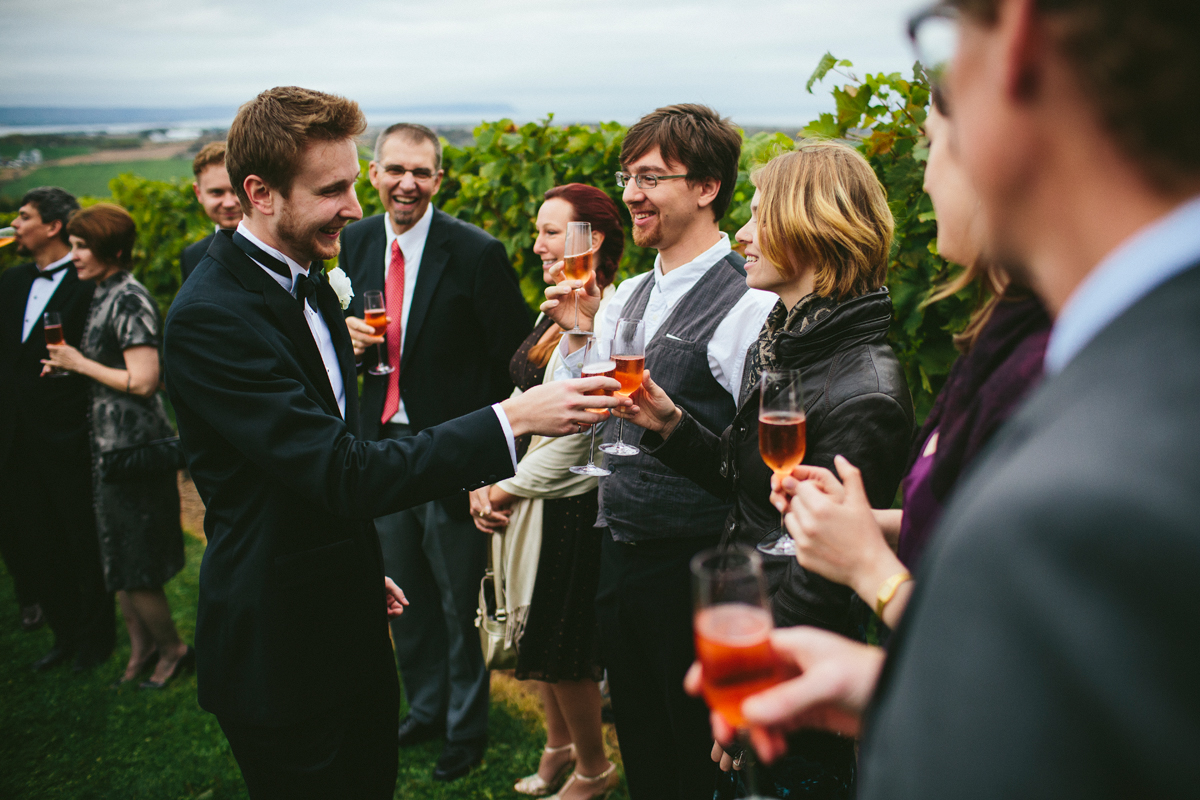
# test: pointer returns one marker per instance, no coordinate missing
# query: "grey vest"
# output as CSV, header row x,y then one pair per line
x,y
643,499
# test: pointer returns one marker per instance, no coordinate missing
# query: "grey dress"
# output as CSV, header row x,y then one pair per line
x,y
141,542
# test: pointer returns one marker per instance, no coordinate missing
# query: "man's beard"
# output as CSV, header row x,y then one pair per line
x,y
302,240
648,237
404,216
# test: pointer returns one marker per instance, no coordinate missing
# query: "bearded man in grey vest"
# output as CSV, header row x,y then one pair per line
x,y
680,166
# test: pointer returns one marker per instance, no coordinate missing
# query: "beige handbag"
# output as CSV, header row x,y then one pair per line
x,y
491,620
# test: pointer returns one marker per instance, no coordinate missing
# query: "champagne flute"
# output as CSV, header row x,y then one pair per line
x,y
629,353
781,439
578,262
732,627
597,363
7,235
52,327
375,315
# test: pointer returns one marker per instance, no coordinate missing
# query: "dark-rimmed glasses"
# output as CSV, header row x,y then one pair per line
x,y
643,181
419,174
934,33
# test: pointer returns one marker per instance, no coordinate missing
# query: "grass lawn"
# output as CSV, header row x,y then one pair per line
x,y
92,179
67,736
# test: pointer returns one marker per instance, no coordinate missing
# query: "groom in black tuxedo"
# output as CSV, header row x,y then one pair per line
x,y
292,646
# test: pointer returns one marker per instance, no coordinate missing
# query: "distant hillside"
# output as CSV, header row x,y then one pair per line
x,y
44,115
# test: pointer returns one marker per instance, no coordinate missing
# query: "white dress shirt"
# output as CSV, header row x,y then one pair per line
x,y
40,293
733,336
1140,264
316,323
412,245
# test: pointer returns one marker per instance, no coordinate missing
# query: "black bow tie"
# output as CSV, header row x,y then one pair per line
x,y
50,273
305,286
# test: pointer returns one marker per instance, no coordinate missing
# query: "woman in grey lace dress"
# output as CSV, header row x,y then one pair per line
x,y
137,520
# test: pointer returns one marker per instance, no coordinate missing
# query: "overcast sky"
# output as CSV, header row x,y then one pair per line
x,y
582,59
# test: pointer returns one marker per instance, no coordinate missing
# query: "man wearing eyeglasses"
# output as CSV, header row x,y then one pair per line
x,y
680,166
1049,648
455,317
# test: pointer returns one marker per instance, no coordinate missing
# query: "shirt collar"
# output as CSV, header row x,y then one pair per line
x,y
294,266
692,270
1144,261
412,238
58,263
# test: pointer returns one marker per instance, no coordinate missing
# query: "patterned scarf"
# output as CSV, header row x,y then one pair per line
x,y
808,312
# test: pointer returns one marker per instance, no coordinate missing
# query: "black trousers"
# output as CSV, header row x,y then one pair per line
x,y
50,501
644,612
348,752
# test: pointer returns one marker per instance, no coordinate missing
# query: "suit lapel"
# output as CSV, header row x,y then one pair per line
x,y
286,310
375,245
14,305
433,263
331,312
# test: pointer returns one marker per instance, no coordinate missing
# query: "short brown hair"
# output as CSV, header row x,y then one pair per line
x,y
413,133
704,142
821,206
1137,62
212,153
270,132
108,230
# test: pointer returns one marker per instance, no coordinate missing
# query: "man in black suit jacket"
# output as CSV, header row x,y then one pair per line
x,y
48,535
457,316
1049,647
292,646
216,195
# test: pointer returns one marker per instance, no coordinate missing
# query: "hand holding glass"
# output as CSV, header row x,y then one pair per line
x,y
375,315
578,262
596,364
629,353
732,627
52,326
781,438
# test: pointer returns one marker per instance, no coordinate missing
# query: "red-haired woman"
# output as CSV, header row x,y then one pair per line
x,y
557,645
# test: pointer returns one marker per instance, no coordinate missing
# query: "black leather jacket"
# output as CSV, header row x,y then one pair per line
x,y
857,404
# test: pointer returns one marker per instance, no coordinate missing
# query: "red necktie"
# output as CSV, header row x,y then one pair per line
x,y
394,300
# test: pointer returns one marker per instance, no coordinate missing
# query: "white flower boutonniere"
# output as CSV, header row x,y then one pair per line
x,y
339,281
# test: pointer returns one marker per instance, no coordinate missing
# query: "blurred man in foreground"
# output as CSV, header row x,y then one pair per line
x,y
1049,649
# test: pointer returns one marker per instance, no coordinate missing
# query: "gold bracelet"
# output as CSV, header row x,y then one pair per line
x,y
888,590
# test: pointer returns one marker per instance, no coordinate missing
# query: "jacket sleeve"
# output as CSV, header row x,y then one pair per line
x,y
694,452
226,376
873,432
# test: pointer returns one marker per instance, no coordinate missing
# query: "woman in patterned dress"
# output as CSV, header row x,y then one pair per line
x,y
137,520
558,646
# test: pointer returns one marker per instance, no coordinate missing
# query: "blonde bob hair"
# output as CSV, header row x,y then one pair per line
x,y
820,206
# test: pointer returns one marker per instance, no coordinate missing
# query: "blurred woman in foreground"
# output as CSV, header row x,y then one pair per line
x,y
136,501
556,644
837,533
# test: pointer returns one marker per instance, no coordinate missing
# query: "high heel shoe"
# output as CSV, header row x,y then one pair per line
x,y
188,661
603,784
147,664
535,786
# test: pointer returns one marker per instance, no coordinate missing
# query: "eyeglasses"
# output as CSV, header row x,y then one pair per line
x,y
643,181
934,34
419,174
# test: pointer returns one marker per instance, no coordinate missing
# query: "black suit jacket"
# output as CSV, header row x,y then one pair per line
x,y
1051,647
291,615
466,320
52,411
191,256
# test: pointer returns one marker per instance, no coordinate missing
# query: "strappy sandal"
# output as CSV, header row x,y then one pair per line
x,y
534,784
605,783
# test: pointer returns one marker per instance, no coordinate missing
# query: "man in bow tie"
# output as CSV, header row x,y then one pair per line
x,y
47,532
293,654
